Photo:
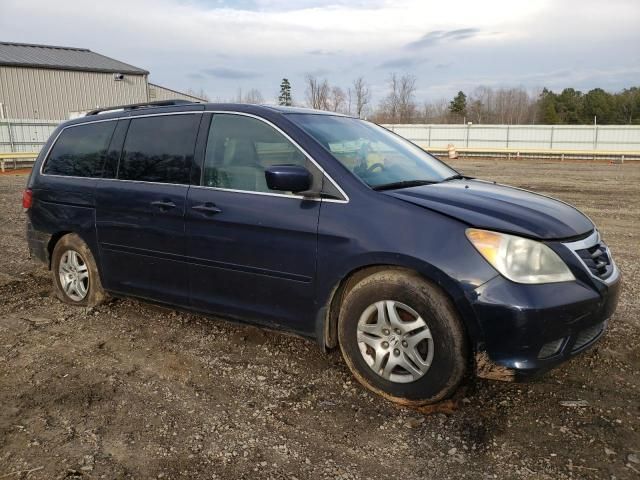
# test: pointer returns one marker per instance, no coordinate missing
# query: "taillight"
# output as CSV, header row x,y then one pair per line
x,y
27,198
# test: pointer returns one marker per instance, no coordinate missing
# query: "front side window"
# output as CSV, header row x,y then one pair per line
x,y
159,149
240,148
375,155
80,150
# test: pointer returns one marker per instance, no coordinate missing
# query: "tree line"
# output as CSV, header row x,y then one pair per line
x,y
485,105
574,107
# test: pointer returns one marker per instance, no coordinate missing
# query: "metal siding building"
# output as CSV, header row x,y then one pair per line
x,y
54,83
157,93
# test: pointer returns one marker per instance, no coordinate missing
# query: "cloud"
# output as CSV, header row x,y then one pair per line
x,y
289,5
223,45
439,36
323,52
229,73
318,72
402,63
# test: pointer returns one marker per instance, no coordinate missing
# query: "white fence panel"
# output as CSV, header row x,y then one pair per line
x,y
30,135
24,135
543,137
618,138
537,136
441,135
486,136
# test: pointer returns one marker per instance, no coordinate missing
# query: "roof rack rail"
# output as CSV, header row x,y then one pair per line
x,y
134,106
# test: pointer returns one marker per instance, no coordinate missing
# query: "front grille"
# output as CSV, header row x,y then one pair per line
x,y
597,260
587,336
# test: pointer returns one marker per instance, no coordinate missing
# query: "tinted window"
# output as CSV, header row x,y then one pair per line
x,y
110,167
240,148
80,150
159,149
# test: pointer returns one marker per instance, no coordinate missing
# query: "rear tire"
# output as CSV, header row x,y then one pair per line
x,y
401,337
75,273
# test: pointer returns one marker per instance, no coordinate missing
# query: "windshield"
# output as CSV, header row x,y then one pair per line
x,y
375,155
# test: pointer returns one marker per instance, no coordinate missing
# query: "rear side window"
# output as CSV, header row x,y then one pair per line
x,y
159,149
80,150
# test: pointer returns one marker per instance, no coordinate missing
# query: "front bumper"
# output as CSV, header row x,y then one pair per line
x,y
529,329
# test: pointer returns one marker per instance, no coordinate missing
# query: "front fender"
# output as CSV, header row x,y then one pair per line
x,y
405,236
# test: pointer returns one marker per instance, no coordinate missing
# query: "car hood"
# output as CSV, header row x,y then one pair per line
x,y
491,206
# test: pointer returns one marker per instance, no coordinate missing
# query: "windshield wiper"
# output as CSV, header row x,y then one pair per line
x,y
457,176
403,184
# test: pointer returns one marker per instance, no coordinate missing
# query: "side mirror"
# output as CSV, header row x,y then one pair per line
x,y
288,178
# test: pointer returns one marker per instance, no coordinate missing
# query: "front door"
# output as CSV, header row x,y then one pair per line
x,y
140,212
252,251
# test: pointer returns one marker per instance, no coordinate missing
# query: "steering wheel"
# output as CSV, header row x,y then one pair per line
x,y
375,166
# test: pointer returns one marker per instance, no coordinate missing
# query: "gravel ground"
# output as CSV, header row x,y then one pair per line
x,y
131,390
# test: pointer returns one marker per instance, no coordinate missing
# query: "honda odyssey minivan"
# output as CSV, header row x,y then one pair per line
x,y
324,225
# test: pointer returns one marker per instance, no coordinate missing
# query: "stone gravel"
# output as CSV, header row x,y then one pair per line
x,y
132,390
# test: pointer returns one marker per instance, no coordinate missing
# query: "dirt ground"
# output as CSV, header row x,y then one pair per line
x,y
130,390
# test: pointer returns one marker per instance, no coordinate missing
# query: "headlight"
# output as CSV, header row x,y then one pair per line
x,y
519,259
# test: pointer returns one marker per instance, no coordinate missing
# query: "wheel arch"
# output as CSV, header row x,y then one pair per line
x,y
327,317
63,241
55,238
53,241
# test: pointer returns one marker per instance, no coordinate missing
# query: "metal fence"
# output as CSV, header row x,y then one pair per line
x,y
24,135
528,137
29,136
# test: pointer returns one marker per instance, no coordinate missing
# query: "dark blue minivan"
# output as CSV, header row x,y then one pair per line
x,y
324,225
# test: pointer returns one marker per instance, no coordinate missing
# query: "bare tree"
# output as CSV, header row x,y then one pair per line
x,y
200,93
362,94
475,111
238,98
406,92
511,106
253,96
436,112
484,105
337,100
504,105
501,106
317,93
390,104
480,105
399,105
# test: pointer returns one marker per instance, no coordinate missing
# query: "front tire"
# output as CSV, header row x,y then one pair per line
x,y
401,337
75,273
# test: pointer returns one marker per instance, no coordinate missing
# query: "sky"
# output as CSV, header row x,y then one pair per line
x,y
222,46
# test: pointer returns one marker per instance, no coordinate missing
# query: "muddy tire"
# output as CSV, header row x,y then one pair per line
x,y
75,273
402,338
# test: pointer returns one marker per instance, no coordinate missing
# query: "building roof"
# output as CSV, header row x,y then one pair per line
x,y
62,58
198,99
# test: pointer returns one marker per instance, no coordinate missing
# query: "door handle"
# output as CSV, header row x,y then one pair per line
x,y
164,204
207,208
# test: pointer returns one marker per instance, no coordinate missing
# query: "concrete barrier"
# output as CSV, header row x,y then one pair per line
x,y
17,159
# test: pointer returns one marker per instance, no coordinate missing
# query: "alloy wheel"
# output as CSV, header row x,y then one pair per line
x,y
395,341
74,275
